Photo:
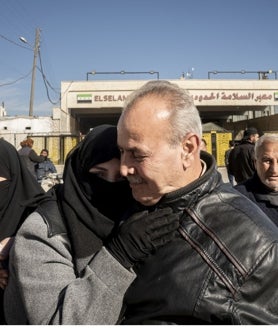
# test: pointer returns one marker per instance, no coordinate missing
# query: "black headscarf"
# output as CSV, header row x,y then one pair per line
x,y
85,213
19,194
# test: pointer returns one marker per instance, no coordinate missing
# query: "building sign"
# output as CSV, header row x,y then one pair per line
x,y
109,98
235,97
93,98
200,97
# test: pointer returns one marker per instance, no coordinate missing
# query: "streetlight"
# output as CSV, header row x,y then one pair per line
x,y
35,50
262,75
188,74
123,72
275,74
217,72
265,73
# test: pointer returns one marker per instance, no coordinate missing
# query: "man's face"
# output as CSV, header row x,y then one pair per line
x,y
254,138
267,165
152,166
44,153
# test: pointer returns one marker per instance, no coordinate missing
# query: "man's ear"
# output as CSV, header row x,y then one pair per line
x,y
190,145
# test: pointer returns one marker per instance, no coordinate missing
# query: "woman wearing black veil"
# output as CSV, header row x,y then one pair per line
x,y
19,196
72,259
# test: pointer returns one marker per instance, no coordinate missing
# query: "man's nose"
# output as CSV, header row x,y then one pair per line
x,y
126,170
274,167
126,167
123,170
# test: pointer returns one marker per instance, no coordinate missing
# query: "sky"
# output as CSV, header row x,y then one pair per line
x,y
165,36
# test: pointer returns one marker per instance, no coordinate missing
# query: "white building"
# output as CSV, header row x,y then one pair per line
x,y
231,104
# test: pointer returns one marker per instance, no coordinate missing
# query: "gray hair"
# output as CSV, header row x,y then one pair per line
x,y
270,138
184,116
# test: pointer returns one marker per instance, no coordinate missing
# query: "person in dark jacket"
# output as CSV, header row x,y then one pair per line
x,y
223,267
226,160
241,158
262,188
19,195
30,157
43,169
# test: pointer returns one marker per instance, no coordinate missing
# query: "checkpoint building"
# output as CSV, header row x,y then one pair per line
x,y
85,104
226,107
230,105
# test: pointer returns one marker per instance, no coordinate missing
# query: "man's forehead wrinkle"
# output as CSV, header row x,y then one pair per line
x,y
132,138
135,137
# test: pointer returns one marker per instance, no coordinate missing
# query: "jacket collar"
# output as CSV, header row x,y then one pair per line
x,y
262,192
188,195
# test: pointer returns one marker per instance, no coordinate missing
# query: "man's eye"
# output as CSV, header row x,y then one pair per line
x,y
267,161
138,157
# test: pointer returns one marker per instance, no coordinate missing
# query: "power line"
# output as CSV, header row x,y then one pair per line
x,y
15,81
15,43
18,19
45,81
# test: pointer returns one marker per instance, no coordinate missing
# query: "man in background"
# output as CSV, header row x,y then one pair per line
x,y
226,159
43,169
262,188
241,159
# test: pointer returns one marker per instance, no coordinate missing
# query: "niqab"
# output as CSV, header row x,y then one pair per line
x,y
87,226
19,194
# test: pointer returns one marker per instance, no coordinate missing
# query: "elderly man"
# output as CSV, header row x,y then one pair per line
x,y
223,266
262,188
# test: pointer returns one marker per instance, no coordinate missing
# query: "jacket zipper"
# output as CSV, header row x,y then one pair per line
x,y
211,263
232,259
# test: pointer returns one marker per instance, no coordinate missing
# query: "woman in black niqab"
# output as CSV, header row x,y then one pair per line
x,y
20,193
90,205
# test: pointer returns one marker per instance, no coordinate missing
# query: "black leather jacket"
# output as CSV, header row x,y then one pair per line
x,y
241,161
223,269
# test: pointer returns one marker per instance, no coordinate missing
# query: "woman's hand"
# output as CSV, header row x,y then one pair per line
x,y
3,278
5,246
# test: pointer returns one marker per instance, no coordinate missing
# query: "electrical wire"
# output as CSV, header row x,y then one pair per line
x,y
15,81
15,43
46,82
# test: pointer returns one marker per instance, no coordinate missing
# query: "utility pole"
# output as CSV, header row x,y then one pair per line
x,y
36,50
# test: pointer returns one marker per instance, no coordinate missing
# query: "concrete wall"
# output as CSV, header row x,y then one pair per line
x,y
15,129
47,132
